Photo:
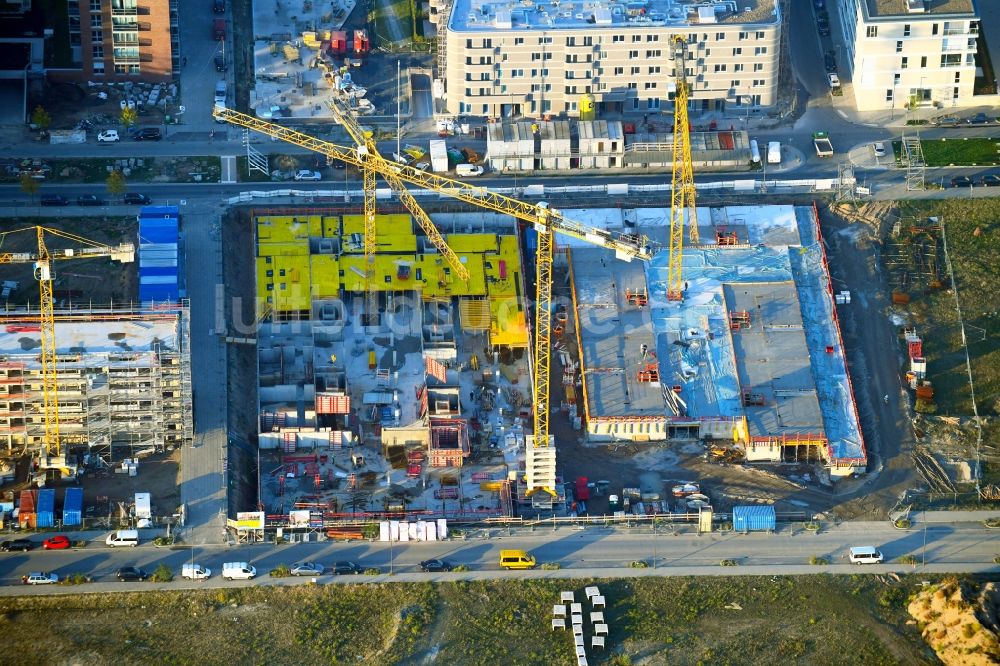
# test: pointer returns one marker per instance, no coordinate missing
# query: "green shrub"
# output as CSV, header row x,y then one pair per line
x,y
461,568
163,541
80,544
162,574
992,522
818,561
812,526
729,563
639,564
903,523
909,559
280,571
76,579
372,571
551,566
996,560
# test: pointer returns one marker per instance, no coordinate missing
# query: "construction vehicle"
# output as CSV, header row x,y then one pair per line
x,y
682,193
53,456
545,220
822,144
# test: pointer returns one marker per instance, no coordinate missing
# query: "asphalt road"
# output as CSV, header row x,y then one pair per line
x,y
595,551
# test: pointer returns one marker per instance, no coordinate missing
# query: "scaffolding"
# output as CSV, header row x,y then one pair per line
x,y
132,398
911,154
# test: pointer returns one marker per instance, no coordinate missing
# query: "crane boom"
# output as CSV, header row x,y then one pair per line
x,y
545,220
42,260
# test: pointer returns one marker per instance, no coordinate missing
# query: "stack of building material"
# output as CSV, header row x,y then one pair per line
x,y
158,269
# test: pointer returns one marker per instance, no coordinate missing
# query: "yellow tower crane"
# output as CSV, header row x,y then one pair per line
x,y
43,269
682,193
545,220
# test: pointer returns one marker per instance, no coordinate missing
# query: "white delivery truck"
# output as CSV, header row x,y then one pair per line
x,y
467,170
194,571
123,538
238,571
774,152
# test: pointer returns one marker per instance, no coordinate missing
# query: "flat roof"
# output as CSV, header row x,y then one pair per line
x,y
772,359
616,338
516,15
95,337
899,8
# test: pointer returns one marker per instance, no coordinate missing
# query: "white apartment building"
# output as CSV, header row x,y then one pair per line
x,y
542,57
911,51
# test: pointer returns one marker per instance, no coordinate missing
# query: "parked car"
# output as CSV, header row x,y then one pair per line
x,y
830,61
833,80
108,136
308,174
307,569
147,134
979,119
879,149
946,121
40,578
22,545
195,572
961,181
134,198
402,158
422,166
126,574
345,567
219,6
54,200
823,26
990,180
220,62
819,4
58,542
238,571
435,566
89,200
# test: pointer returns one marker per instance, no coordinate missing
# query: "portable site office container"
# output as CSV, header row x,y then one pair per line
x,y
754,519
46,513
73,507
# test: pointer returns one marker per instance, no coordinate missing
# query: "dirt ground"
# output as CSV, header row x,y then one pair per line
x,y
159,475
78,282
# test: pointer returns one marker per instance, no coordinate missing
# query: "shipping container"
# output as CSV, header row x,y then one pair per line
x,y
754,519
26,516
582,493
439,156
46,512
73,507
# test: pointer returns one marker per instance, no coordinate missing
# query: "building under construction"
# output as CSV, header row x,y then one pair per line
x,y
403,378
751,359
123,380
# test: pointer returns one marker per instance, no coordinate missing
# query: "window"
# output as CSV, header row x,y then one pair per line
x,y
544,40
760,34
954,92
468,43
486,110
735,83
536,56
96,35
720,36
895,78
98,67
653,54
97,50
923,61
633,85
934,28
906,30
760,50
654,70
588,41
744,35
872,31
951,59
720,68
958,77
899,47
738,67
757,83
974,27
737,51
758,67
516,73
619,70
652,38
708,52
904,62
570,90
518,41
650,85
636,38
634,70
633,54
546,105
95,5
618,38
95,21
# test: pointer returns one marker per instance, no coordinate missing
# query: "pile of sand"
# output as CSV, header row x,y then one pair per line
x,y
959,622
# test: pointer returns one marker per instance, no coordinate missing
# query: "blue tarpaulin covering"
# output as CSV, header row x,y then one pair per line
x,y
46,507
73,507
158,269
753,518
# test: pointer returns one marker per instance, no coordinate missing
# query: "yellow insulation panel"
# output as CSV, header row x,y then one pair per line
x,y
287,283
283,249
285,228
331,227
480,243
325,275
397,224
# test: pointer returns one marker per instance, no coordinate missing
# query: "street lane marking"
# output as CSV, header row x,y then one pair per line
x,y
228,169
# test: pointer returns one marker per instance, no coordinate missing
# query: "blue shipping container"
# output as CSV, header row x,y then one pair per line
x,y
73,507
46,507
158,211
753,518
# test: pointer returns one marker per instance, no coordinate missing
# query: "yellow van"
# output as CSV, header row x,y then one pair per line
x,y
516,559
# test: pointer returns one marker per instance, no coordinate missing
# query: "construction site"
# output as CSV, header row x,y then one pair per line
x,y
404,368
88,392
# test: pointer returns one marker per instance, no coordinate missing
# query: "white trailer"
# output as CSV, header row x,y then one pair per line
x,y
439,156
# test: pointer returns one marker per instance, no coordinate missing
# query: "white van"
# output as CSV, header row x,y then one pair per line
x,y
865,555
774,152
123,538
465,170
238,571
195,572
754,152
220,92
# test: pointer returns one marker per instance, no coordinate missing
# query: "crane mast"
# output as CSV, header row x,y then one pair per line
x,y
682,193
545,220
